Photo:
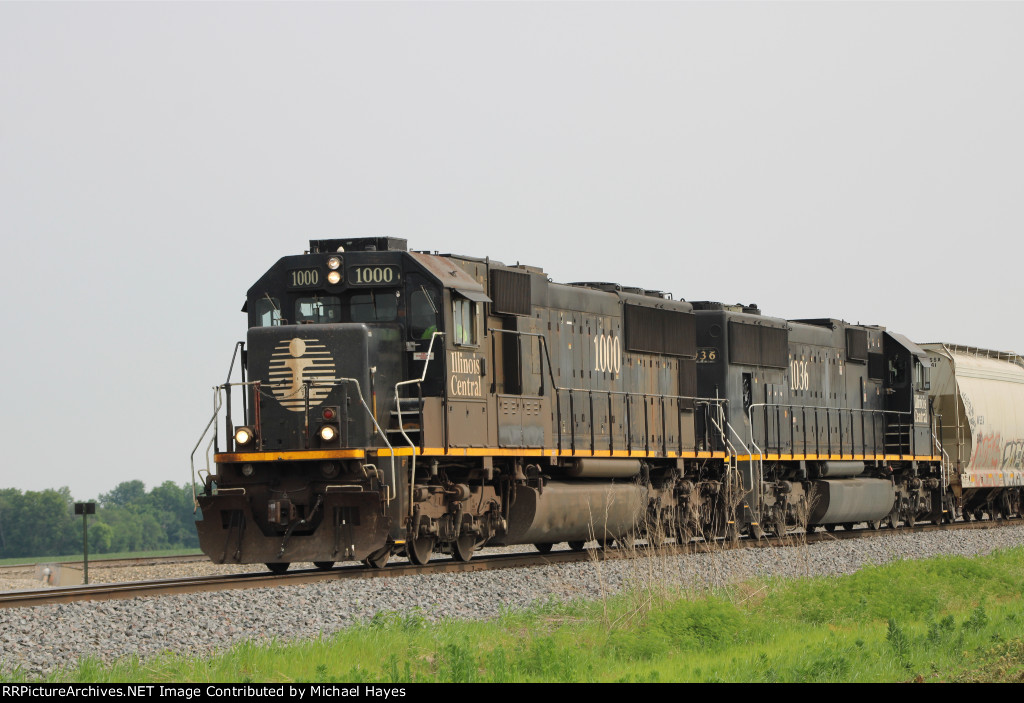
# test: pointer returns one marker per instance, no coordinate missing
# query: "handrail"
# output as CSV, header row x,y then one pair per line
x,y
229,437
192,459
543,342
629,395
719,404
863,411
401,421
750,455
731,469
331,382
746,449
393,492
556,390
946,463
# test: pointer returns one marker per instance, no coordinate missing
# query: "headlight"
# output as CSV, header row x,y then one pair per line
x,y
333,277
334,263
328,433
247,470
243,435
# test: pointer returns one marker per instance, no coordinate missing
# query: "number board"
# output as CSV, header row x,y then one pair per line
x,y
707,355
374,275
304,278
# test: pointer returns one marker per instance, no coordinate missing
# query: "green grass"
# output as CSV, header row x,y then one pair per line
x,y
948,619
97,557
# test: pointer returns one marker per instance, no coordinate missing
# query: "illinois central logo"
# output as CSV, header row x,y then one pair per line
x,y
298,365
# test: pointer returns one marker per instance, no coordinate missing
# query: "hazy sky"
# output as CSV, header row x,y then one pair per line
x,y
862,161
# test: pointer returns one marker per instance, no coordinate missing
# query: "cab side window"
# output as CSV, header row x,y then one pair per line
x,y
922,376
268,312
897,372
422,314
464,321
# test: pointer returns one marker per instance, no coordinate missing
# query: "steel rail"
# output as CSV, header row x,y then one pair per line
x,y
117,562
223,582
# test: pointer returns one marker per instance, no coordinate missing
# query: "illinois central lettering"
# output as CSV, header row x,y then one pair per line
x,y
465,375
464,364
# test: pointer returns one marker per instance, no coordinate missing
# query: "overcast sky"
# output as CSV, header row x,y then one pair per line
x,y
861,161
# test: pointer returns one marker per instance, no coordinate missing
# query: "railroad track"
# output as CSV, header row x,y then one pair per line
x,y
108,563
222,582
28,569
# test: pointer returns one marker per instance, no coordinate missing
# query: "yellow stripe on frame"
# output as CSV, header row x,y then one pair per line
x,y
313,455
229,458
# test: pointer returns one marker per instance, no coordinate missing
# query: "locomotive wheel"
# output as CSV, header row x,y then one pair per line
x,y
378,559
323,565
830,528
606,543
544,547
420,549
1005,508
577,546
732,532
779,526
278,567
848,526
463,547
873,525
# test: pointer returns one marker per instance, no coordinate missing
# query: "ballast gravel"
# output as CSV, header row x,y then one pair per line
x,y
37,641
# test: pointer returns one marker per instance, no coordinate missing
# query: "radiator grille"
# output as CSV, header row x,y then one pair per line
x,y
510,292
660,331
758,345
857,345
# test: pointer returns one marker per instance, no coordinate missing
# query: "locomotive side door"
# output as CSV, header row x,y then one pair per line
x,y
466,386
424,307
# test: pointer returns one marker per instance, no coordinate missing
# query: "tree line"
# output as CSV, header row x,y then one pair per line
x,y
127,519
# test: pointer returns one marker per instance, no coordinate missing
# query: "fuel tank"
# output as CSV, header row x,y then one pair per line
x,y
850,500
577,510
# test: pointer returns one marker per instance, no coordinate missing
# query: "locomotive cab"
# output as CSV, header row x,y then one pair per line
x,y
319,464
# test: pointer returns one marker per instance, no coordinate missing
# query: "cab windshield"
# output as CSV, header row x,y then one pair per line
x,y
318,309
374,306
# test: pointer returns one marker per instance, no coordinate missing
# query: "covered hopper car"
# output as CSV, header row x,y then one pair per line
x,y
389,401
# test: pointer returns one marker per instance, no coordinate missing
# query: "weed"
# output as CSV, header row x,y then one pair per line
x,y
458,664
978,620
898,640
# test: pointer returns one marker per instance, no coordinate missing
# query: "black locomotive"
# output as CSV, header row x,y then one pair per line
x,y
403,402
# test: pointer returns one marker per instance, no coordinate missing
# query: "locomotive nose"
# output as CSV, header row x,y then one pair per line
x,y
314,381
